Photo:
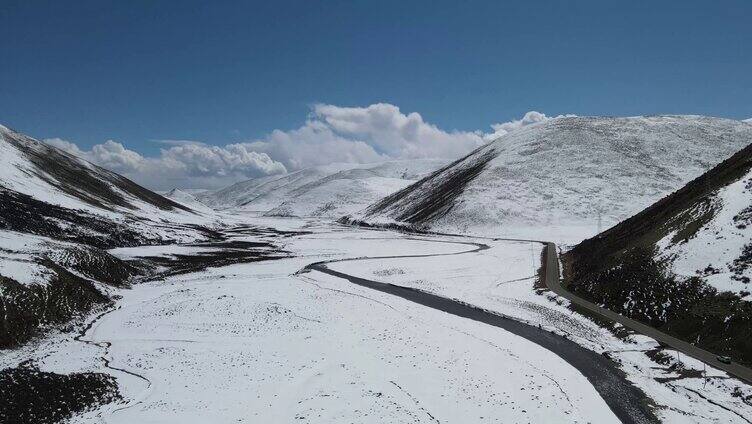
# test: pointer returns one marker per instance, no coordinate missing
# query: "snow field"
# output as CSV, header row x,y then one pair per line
x,y
499,279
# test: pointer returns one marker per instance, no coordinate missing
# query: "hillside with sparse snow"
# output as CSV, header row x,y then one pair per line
x,y
324,191
720,250
58,215
683,265
560,177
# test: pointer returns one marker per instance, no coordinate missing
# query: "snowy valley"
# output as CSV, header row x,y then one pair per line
x,y
259,302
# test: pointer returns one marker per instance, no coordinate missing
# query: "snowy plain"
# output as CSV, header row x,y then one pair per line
x,y
502,278
261,342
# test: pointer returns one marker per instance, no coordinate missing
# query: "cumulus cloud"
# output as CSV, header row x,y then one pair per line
x,y
314,144
110,154
113,155
361,135
65,145
233,159
530,118
330,134
182,165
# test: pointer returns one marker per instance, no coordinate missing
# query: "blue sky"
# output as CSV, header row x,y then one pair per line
x,y
223,72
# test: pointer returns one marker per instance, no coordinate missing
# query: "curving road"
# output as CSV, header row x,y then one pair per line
x,y
553,282
627,402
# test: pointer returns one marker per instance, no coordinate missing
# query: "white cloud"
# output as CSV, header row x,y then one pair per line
x,y
314,144
113,155
182,165
530,118
330,134
233,159
395,134
747,120
363,134
65,145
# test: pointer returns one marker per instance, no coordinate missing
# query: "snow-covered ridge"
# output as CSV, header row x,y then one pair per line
x,y
48,192
329,191
570,173
44,172
188,200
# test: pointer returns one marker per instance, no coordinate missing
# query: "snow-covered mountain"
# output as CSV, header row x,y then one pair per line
x,y
48,192
683,264
185,198
329,191
49,174
58,215
560,178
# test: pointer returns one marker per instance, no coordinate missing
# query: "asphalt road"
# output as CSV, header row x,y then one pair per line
x,y
554,284
627,402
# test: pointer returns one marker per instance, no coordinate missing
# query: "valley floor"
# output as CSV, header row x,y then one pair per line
x,y
265,342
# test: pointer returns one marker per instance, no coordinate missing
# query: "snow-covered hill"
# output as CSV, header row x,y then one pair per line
x,y
58,214
684,264
329,191
49,174
188,200
703,230
565,175
720,250
265,193
48,192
